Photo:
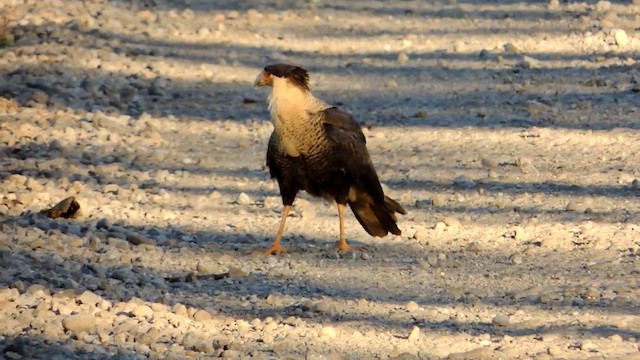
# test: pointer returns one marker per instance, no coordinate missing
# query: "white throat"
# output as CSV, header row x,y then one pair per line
x,y
288,101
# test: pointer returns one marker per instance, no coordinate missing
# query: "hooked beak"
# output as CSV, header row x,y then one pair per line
x,y
263,79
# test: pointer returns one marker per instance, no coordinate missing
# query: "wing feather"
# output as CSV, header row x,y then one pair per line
x,y
346,137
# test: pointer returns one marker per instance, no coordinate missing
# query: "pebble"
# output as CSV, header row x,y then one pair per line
x,y
328,332
205,268
554,350
464,182
451,222
474,247
179,309
40,97
437,201
412,306
243,199
403,58
201,315
79,323
391,83
588,345
143,311
501,320
138,239
321,307
89,298
621,38
511,49
516,259
414,334
490,163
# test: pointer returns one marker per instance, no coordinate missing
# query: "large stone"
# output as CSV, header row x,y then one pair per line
x,y
78,323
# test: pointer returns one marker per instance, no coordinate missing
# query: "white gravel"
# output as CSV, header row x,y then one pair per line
x,y
509,130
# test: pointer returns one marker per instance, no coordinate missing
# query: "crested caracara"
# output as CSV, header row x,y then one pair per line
x,y
320,149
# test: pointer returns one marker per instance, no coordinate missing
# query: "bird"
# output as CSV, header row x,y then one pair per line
x,y
320,149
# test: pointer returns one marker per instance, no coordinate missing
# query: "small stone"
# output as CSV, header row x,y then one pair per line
x,y
179,309
282,347
243,199
328,332
201,315
490,163
412,306
516,259
391,83
37,244
89,298
143,311
403,58
554,350
67,208
529,62
205,268
473,247
321,307
79,323
511,49
500,320
34,289
463,182
553,4
588,345
422,114
243,327
575,206
621,38
440,226
231,354
204,347
397,354
9,294
137,239
437,200
451,222
236,272
110,188
190,339
414,334
616,338
40,97
635,184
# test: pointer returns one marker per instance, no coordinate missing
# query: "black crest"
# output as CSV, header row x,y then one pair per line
x,y
296,74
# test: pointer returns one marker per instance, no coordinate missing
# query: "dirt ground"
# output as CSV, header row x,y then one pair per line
x,y
510,131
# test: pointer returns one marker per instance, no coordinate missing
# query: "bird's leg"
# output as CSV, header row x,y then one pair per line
x,y
342,245
276,248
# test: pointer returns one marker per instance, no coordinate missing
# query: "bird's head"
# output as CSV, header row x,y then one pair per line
x,y
294,75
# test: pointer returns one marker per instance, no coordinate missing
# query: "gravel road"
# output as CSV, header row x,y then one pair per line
x,y
510,131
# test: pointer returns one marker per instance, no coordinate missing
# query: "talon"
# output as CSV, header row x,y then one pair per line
x,y
273,250
344,247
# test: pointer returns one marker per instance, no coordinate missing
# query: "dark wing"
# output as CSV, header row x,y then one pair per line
x,y
351,153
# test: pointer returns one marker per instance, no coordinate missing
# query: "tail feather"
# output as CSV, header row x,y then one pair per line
x,y
378,219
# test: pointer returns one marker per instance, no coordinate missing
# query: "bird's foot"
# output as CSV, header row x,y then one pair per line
x,y
344,247
275,249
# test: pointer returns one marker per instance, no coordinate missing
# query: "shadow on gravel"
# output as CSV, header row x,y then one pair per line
x,y
97,168
127,270
497,98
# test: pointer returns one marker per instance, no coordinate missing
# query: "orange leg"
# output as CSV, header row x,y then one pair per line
x,y
342,245
276,247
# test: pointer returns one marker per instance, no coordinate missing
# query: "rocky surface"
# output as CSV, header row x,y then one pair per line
x,y
509,130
